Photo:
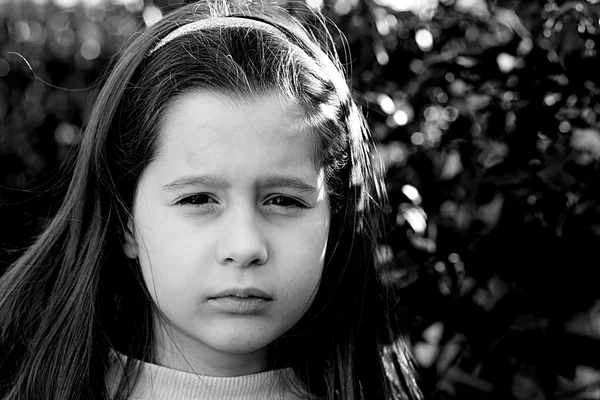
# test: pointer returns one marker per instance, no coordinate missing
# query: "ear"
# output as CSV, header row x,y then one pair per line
x,y
130,244
594,316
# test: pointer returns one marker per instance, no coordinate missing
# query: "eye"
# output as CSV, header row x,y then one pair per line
x,y
197,200
284,201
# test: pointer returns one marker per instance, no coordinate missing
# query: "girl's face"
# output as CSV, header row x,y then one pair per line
x,y
230,226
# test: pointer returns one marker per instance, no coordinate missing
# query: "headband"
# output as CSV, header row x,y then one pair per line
x,y
220,22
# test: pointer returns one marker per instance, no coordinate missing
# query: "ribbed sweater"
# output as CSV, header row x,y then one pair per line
x,y
161,383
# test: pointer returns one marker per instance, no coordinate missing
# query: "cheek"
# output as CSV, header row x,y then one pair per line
x,y
304,265
299,290
163,262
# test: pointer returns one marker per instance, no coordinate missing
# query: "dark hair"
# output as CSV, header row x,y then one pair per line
x,y
74,296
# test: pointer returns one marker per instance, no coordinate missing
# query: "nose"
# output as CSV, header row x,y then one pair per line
x,y
242,242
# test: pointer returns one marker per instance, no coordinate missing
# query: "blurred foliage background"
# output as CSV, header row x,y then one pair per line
x,y
486,114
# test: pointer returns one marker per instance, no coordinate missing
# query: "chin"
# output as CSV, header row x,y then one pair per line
x,y
240,342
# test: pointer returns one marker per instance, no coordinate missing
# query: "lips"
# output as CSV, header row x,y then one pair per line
x,y
246,302
242,293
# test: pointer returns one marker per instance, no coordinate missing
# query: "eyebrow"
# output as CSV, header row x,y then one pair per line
x,y
219,182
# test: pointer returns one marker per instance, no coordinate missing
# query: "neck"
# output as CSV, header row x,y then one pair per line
x,y
182,353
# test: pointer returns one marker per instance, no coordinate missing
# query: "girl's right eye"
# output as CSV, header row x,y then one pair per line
x,y
197,200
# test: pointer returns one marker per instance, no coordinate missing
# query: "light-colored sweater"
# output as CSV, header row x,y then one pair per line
x,y
161,383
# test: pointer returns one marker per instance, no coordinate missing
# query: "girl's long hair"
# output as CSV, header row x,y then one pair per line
x,y
74,297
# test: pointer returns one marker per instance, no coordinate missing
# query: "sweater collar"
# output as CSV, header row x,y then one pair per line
x,y
156,382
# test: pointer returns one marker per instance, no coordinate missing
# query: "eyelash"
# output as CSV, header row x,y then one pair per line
x,y
295,203
193,201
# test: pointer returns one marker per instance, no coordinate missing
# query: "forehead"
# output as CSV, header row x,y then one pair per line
x,y
203,129
209,108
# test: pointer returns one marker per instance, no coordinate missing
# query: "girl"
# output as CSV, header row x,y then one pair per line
x,y
217,236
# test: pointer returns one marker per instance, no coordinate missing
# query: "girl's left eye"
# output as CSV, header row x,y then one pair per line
x,y
284,201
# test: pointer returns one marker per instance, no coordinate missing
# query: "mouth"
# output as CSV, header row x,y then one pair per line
x,y
246,301
243,294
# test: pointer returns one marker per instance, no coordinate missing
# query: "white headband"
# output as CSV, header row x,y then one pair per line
x,y
220,22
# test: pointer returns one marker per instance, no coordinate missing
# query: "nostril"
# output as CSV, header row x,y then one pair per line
x,y
258,262
240,261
